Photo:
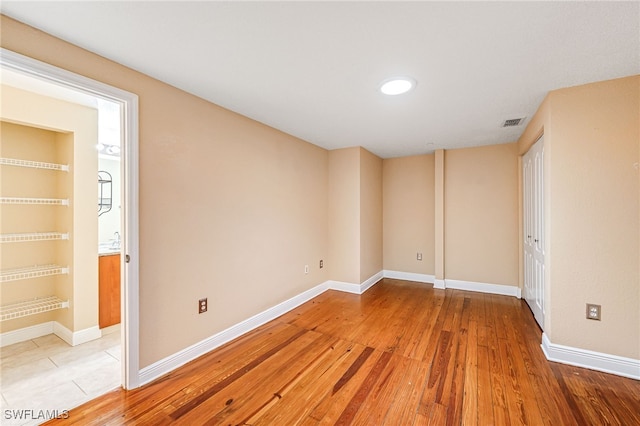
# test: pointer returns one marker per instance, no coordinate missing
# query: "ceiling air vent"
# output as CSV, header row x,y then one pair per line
x,y
512,122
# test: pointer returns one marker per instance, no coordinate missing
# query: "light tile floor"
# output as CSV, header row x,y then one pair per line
x,y
48,374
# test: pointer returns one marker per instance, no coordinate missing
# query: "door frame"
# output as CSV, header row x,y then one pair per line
x,y
130,189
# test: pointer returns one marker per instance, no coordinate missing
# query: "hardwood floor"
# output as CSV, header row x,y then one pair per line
x,y
400,354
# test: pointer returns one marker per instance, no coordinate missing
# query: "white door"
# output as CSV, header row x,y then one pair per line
x,y
533,208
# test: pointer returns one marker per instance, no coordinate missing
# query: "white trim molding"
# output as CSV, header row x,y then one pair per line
x,y
356,288
73,338
504,290
607,363
371,281
170,363
344,286
409,276
27,333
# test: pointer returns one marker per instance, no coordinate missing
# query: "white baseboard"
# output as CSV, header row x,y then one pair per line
x,y
170,363
613,364
505,290
343,286
371,281
75,338
356,288
50,327
409,276
26,333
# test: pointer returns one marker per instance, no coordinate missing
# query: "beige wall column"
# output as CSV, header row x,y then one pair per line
x,y
355,215
370,215
439,216
344,215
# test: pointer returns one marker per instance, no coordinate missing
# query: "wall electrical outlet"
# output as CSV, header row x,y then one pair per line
x,y
202,306
321,264
593,311
419,256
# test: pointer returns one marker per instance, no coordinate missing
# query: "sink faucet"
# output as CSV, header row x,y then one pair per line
x,y
116,242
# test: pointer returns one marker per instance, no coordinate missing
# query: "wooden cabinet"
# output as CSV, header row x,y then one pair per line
x,y
109,290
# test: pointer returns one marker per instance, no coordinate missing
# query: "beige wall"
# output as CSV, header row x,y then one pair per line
x,y
460,209
370,215
344,215
74,139
18,181
481,214
592,135
230,209
355,215
439,219
409,214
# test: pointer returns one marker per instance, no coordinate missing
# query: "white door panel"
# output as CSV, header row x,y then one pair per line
x,y
533,209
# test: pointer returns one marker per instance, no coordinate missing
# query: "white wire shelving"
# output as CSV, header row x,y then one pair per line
x,y
31,307
33,164
40,304
33,236
36,271
35,201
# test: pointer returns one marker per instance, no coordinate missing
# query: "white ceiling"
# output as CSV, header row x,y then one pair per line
x,y
312,69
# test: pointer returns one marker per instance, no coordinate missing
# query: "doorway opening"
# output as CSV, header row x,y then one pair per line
x,y
38,77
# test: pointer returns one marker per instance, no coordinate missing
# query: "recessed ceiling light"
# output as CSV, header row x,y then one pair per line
x,y
397,85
